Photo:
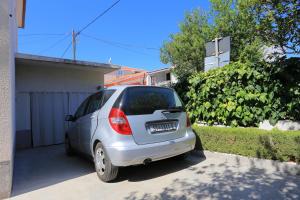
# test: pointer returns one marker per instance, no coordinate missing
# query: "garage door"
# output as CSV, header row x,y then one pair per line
x,y
47,114
23,123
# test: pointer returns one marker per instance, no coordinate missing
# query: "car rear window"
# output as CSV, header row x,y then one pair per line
x,y
146,100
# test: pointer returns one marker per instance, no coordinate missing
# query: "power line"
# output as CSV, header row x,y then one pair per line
x,y
74,35
99,16
38,40
68,47
115,45
55,44
122,44
41,34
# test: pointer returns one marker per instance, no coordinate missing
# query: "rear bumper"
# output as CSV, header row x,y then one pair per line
x,y
136,154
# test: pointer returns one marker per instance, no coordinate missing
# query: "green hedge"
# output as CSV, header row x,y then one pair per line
x,y
253,142
244,94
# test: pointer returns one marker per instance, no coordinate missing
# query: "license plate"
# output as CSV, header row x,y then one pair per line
x,y
162,126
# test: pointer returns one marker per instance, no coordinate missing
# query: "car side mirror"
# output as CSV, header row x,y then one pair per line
x,y
69,118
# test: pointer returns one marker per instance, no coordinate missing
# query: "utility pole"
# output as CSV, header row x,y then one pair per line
x,y
74,44
217,50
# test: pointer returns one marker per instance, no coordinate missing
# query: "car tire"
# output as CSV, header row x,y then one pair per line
x,y
106,171
68,148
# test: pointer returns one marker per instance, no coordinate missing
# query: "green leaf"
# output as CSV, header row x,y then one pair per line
x,y
207,105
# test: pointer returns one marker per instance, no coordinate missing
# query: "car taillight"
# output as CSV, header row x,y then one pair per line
x,y
188,121
118,121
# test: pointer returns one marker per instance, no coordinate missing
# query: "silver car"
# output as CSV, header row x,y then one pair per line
x,y
129,125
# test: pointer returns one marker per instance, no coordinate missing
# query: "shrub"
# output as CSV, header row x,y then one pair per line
x,y
244,94
289,76
253,142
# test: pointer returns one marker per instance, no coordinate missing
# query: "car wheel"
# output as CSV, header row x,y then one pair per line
x,y
68,148
106,171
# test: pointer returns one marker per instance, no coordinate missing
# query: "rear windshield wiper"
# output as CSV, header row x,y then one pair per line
x,y
173,109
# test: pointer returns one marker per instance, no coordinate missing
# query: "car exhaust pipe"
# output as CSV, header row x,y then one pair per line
x,y
147,161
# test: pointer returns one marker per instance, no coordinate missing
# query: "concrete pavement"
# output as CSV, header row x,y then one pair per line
x,y
46,173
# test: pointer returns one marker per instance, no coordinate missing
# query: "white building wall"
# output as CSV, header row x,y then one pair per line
x,y
55,79
173,78
8,35
160,78
148,79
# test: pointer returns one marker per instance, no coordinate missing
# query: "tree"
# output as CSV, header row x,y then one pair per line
x,y
248,22
186,49
234,18
278,23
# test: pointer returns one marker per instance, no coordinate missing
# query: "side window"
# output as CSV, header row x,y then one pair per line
x,y
168,76
107,95
94,103
81,110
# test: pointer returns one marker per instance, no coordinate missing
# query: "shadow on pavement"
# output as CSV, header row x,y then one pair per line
x,y
44,166
229,181
159,168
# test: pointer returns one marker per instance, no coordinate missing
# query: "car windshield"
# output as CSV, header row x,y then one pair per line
x,y
146,100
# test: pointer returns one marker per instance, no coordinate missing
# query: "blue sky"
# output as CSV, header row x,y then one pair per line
x,y
137,24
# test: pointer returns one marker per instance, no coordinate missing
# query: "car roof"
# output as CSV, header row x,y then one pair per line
x,y
118,87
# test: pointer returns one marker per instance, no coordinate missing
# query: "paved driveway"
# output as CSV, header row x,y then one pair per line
x,y
46,173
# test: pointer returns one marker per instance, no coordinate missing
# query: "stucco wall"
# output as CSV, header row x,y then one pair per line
x,y
56,79
8,33
160,77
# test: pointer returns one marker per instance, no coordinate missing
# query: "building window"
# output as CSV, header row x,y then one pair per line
x,y
120,72
168,76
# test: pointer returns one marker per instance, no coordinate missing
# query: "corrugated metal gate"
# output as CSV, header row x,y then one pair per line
x,y
47,111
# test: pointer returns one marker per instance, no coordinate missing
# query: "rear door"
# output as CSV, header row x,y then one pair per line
x,y
74,129
155,114
89,122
